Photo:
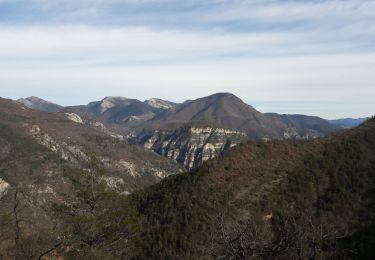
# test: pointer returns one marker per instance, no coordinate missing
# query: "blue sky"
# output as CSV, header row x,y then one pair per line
x,y
312,57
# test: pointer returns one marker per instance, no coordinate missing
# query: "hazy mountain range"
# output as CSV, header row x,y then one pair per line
x,y
125,108
196,130
348,122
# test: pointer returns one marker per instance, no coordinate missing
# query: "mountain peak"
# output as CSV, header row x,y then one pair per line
x,y
221,95
225,98
110,101
37,103
34,98
114,98
222,110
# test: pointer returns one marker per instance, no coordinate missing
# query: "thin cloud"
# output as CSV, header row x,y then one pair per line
x,y
276,51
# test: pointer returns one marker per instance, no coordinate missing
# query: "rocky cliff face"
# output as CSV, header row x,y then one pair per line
x,y
190,146
4,186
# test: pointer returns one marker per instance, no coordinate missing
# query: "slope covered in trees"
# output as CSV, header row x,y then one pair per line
x,y
278,200
261,200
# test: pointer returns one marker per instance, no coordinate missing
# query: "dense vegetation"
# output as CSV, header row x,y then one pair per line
x,y
261,200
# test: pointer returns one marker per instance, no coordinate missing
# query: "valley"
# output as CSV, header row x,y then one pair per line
x,y
206,179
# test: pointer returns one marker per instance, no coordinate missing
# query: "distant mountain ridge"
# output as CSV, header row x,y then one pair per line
x,y
197,130
155,106
40,104
348,122
302,126
124,112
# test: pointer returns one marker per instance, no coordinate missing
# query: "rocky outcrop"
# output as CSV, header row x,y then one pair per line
x,y
93,124
190,146
74,117
71,153
160,104
4,186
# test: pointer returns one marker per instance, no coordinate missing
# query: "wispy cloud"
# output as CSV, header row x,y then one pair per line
x,y
265,51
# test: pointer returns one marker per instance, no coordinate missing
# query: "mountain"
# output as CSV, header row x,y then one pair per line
x,y
71,189
117,110
221,110
281,199
348,122
301,126
196,130
53,160
201,129
40,104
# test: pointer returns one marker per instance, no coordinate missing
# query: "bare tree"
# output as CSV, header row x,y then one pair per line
x,y
17,208
239,239
285,238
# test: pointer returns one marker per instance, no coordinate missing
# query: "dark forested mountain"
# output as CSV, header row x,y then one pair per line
x,y
268,200
40,104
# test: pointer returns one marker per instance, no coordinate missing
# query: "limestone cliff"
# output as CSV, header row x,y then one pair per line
x,y
190,146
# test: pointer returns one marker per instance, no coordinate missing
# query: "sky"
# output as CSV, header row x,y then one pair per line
x,y
314,57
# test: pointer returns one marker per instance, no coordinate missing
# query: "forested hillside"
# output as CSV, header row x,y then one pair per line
x,y
260,200
277,199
